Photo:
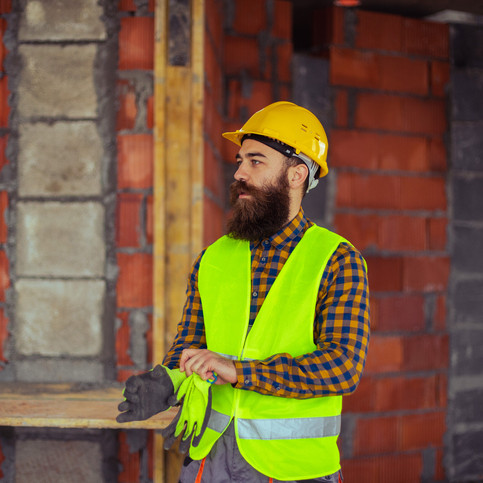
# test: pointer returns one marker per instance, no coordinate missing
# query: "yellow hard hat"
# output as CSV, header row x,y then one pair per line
x,y
292,125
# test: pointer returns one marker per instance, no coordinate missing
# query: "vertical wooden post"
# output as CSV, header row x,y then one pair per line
x,y
178,175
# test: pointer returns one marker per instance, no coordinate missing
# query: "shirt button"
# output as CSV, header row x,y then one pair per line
x,y
247,381
255,294
263,259
266,243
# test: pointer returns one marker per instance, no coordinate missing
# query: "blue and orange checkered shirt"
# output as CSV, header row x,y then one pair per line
x,y
341,324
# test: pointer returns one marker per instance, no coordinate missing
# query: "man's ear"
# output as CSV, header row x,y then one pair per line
x,y
297,175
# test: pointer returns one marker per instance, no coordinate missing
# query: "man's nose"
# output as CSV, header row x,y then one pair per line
x,y
241,173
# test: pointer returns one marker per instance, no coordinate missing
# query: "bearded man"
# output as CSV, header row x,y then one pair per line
x,y
277,310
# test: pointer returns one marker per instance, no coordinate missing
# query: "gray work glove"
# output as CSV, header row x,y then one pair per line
x,y
149,393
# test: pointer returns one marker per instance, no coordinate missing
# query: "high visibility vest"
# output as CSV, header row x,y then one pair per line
x,y
284,438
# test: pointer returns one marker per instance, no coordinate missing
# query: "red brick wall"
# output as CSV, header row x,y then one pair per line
x,y
134,227
251,58
388,151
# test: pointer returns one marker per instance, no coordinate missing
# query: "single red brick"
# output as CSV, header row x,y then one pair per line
x,y
241,55
284,61
127,112
126,6
419,431
423,193
3,50
437,233
400,468
3,155
362,400
385,354
214,20
4,107
213,71
149,219
385,273
213,221
4,274
405,393
4,333
402,233
341,112
360,230
250,17
128,460
282,20
371,70
437,155
135,161
439,318
3,222
426,274
136,43
430,39
440,77
426,352
135,282
123,342
367,150
400,313
379,31
402,114
376,435
5,6
128,219
442,390
368,191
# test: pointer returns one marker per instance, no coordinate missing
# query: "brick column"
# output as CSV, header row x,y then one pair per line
x,y
389,76
466,231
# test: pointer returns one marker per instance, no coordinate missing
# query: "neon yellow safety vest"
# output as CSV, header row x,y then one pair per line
x,y
284,438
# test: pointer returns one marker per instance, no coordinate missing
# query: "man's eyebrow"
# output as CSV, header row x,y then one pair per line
x,y
255,154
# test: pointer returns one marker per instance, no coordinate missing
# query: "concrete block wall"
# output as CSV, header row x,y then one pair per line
x,y
57,187
465,415
390,78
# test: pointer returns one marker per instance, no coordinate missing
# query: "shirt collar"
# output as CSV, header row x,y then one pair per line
x,y
288,233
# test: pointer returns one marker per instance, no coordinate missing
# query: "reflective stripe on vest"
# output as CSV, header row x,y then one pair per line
x,y
289,428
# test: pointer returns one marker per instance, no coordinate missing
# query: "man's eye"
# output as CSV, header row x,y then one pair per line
x,y
255,161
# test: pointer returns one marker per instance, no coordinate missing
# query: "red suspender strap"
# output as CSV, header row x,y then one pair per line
x,y
200,471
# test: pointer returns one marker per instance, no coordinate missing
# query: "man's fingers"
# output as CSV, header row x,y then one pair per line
x,y
131,397
133,384
124,406
125,417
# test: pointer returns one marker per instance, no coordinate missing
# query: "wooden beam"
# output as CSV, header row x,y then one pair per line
x,y
68,406
178,175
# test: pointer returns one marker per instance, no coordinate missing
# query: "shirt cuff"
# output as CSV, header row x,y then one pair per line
x,y
245,374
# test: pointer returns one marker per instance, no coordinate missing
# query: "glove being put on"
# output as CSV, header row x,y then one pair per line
x,y
149,393
193,415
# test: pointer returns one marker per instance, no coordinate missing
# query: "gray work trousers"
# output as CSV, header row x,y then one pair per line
x,y
225,464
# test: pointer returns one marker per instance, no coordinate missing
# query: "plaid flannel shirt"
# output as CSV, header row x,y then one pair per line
x,y
341,323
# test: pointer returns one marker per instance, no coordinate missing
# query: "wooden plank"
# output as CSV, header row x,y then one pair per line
x,y
68,406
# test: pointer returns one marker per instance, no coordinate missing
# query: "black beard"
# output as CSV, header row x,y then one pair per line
x,y
262,215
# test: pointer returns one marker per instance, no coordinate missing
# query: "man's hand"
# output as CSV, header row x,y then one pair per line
x,y
148,394
205,363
